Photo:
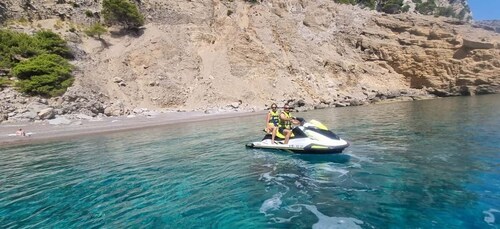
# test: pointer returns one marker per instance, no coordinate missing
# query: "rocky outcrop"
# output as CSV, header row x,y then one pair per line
x,y
233,55
492,25
445,59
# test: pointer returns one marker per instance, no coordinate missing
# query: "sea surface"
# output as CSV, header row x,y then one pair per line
x,y
422,164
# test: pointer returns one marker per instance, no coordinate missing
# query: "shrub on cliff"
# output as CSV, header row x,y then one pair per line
x,y
50,42
17,46
391,6
122,12
46,75
368,3
352,2
95,30
426,8
446,11
4,82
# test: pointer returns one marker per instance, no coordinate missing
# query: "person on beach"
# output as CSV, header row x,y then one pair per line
x,y
272,120
20,132
285,123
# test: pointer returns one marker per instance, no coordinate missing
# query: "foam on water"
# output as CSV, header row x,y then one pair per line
x,y
327,222
272,203
490,217
334,169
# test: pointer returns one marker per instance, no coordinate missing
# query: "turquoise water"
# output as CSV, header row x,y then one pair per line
x,y
424,164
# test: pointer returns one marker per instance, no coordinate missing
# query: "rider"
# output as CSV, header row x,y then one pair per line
x,y
272,120
286,121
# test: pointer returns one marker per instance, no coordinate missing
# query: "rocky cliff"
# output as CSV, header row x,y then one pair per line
x,y
226,55
492,25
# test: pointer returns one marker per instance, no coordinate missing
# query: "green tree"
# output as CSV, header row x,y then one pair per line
x,y
391,6
426,8
52,43
122,12
15,46
352,2
96,30
368,3
45,75
446,11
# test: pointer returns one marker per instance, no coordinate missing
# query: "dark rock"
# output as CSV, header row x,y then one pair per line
x,y
438,92
487,89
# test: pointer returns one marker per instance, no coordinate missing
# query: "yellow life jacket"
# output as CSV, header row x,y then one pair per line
x,y
275,117
287,124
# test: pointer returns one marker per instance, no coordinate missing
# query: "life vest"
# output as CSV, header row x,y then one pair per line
x,y
275,117
287,124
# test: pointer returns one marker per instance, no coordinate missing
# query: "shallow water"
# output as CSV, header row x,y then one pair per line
x,y
424,164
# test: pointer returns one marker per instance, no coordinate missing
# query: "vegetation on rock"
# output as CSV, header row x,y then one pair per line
x,y
96,30
122,12
46,75
4,82
38,61
391,6
425,8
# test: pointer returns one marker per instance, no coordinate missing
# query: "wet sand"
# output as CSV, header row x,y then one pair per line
x,y
43,131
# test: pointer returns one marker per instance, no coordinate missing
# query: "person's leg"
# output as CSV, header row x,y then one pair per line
x,y
274,130
268,128
288,133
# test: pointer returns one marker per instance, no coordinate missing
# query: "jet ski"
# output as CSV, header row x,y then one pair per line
x,y
310,137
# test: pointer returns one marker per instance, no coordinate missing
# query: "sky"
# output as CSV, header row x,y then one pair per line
x,y
485,9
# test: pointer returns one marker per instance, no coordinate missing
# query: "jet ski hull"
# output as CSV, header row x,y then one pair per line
x,y
311,138
309,149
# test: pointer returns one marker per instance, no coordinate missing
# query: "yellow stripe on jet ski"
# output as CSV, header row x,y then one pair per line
x,y
280,135
319,147
318,124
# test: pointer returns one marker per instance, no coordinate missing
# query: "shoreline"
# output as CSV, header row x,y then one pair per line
x,y
45,132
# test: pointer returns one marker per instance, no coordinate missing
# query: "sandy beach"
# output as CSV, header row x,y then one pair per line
x,y
43,131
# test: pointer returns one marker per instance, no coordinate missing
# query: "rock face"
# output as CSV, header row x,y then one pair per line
x,y
448,58
3,12
492,25
205,55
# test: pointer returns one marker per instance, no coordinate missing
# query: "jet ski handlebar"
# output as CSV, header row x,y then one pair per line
x,y
301,120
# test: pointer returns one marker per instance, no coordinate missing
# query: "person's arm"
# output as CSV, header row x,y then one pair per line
x,y
283,117
268,117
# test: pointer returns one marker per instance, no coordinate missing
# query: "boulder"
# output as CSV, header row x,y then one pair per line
x,y
36,106
235,105
46,113
31,115
477,44
60,120
108,111
117,80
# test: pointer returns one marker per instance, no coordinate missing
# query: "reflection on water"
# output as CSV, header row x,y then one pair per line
x,y
425,164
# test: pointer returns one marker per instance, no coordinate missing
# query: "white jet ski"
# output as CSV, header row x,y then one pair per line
x,y
311,137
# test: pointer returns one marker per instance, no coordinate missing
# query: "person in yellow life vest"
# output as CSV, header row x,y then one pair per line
x,y
272,120
285,123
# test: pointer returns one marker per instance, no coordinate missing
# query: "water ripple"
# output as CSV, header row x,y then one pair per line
x,y
408,165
